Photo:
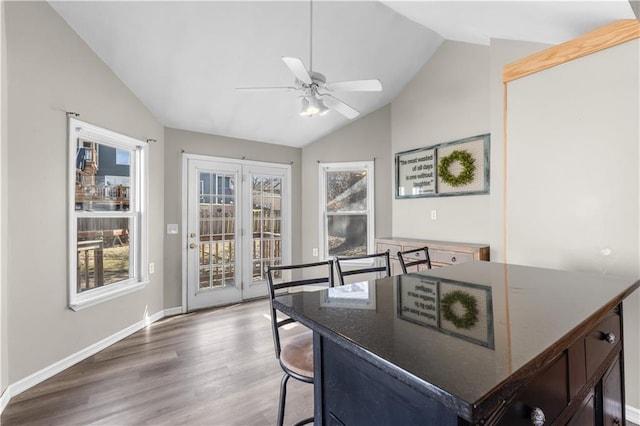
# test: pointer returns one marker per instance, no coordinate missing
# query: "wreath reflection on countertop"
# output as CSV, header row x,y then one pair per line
x,y
467,174
468,302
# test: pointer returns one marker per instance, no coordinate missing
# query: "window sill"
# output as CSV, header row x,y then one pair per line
x,y
86,300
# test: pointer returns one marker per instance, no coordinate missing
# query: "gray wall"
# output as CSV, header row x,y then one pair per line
x,y
448,99
3,206
572,170
50,71
368,138
502,52
179,141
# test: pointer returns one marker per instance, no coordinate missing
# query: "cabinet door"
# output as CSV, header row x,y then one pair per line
x,y
612,395
585,416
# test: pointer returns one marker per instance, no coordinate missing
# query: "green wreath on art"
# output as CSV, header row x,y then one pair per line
x,y
466,175
469,305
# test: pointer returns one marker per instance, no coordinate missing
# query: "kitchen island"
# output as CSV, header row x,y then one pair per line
x,y
474,343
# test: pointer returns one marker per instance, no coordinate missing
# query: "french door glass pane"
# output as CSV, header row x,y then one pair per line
x,y
217,196
347,234
347,191
103,251
266,225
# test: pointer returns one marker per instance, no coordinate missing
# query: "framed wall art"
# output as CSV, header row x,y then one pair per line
x,y
459,167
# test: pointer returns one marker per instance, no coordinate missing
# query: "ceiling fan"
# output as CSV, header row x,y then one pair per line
x,y
317,97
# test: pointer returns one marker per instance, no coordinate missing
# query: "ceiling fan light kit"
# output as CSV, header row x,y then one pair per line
x,y
317,97
310,106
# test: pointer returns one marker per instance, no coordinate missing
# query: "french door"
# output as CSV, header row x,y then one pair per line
x,y
237,226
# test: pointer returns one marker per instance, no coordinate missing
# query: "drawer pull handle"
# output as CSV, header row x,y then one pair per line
x,y
610,338
453,259
537,417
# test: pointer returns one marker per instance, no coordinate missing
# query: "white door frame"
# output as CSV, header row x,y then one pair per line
x,y
286,203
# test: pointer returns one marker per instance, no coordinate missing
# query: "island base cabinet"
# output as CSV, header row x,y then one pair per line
x,y
612,395
603,405
547,394
586,414
356,393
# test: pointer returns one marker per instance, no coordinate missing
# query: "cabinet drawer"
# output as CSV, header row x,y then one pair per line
x,y
393,249
547,392
601,341
419,255
450,257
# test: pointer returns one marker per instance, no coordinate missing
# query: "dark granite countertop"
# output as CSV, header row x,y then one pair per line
x,y
400,324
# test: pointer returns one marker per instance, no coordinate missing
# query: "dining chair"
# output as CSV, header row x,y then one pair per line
x,y
414,257
294,354
377,262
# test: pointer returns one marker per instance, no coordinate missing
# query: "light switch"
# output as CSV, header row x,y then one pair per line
x,y
172,228
152,267
315,251
434,214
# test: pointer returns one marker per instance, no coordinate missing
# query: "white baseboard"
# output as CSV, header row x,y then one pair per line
x,y
4,399
57,367
632,414
173,311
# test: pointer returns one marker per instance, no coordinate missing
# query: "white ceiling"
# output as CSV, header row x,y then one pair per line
x,y
184,60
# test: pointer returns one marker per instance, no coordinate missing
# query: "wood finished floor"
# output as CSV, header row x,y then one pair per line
x,y
214,367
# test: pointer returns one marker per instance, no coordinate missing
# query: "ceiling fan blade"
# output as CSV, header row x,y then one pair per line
x,y
355,86
266,89
339,106
297,68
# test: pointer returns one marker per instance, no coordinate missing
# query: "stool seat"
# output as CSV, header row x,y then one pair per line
x,y
297,354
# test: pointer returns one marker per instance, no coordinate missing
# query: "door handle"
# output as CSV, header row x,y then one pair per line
x,y
193,245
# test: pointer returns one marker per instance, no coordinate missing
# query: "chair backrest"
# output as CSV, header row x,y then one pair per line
x,y
380,264
415,257
320,276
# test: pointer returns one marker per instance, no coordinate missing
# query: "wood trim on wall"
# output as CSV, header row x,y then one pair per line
x,y
603,38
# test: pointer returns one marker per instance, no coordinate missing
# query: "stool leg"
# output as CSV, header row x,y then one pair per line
x,y
283,397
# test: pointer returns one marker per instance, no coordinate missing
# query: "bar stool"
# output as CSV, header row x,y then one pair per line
x,y
375,259
415,257
296,354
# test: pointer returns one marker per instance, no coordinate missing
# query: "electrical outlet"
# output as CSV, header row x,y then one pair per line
x,y
434,214
315,252
152,267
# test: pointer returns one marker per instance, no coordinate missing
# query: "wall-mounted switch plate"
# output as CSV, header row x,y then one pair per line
x,y
152,267
172,228
315,251
434,214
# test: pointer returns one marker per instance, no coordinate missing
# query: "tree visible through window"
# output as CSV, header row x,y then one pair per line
x,y
347,194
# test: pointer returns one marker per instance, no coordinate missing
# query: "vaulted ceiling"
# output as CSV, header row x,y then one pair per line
x,y
184,60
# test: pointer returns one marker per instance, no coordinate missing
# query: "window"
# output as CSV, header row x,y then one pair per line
x,y
346,203
107,219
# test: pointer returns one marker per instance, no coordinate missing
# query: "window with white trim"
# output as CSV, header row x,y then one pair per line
x,y
346,205
107,214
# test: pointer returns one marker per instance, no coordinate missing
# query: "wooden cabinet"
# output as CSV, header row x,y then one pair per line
x,y
546,395
442,253
586,414
611,399
560,366
582,387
